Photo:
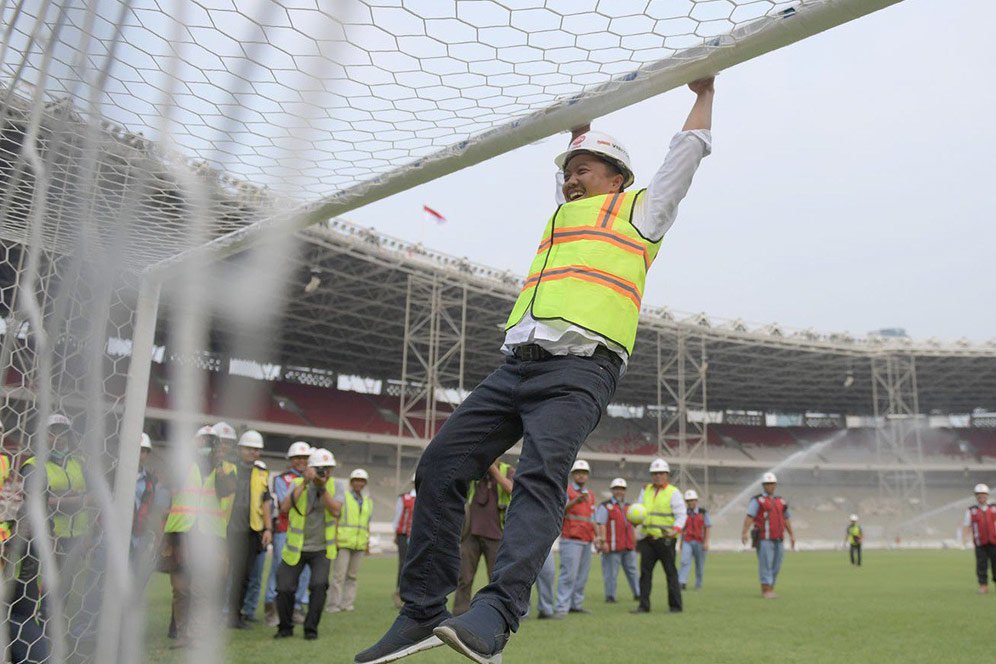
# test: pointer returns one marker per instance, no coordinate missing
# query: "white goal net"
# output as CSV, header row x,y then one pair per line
x,y
143,141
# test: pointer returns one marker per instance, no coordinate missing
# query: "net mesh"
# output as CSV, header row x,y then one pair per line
x,y
132,132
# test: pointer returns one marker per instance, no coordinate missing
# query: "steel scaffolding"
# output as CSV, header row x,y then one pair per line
x,y
681,392
433,356
898,425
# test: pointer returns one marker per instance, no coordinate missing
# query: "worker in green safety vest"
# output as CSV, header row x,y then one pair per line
x,y
853,537
194,508
483,523
63,487
353,540
313,507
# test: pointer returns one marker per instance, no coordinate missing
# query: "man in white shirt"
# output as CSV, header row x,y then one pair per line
x,y
567,342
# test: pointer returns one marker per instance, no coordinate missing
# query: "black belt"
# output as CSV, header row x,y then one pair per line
x,y
534,352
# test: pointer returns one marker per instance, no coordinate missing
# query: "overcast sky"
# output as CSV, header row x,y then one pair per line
x,y
851,186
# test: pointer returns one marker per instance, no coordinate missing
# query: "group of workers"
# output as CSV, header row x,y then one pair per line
x,y
317,527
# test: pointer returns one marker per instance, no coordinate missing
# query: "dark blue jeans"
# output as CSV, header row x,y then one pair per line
x,y
552,405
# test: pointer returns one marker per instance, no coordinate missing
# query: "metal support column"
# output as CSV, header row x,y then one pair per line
x,y
898,424
433,356
681,390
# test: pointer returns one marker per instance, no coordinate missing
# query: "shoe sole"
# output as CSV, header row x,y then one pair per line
x,y
425,644
449,636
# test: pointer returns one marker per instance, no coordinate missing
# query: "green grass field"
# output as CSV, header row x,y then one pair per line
x,y
908,606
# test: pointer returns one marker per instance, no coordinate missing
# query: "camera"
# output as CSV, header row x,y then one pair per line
x,y
322,472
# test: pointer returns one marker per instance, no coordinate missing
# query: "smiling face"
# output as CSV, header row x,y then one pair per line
x,y
586,175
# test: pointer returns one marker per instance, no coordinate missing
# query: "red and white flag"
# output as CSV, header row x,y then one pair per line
x,y
432,215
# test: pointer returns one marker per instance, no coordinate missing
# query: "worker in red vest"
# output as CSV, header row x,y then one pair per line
x,y
576,536
404,510
980,523
769,514
694,540
615,538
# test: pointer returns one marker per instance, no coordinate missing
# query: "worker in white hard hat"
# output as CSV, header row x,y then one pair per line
x,y
980,525
567,339
769,517
227,438
354,543
313,505
577,535
297,456
250,527
694,540
665,520
401,524
615,539
854,536
487,502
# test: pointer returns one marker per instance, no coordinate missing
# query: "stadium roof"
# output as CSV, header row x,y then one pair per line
x,y
353,322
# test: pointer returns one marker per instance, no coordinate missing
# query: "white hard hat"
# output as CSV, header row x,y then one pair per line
x,y
659,466
259,463
581,464
691,495
58,419
146,443
768,478
360,474
981,488
299,448
251,439
854,517
601,145
206,430
618,482
321,458
224,430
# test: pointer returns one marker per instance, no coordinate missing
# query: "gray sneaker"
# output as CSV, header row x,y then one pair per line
x,y
405,637
479,635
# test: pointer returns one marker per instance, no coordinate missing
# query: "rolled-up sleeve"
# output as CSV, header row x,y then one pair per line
x,y
658,208
752,507
601,514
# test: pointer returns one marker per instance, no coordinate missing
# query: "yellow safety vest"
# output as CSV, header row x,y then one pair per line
x,y
853,532
5,531
259,481
215,513
504,497
590,269
296,519
60,480
354,523
185,504
660,519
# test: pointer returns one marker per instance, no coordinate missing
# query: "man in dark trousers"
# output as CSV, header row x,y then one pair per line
x,y
854,537
666,516
486,505
567,341
980,525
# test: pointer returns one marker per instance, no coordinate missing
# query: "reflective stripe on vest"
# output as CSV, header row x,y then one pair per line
x,y
296,520
770,517
579,519
660,519
590,269
354,523
621,534
694,530
983,522
60,480
215,513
